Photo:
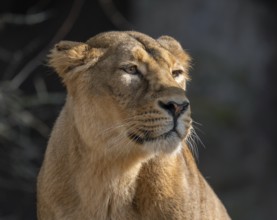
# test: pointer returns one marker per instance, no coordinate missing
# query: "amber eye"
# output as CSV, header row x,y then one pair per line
x,y
132,70
176,73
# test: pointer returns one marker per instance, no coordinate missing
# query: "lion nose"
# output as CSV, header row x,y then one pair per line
x,y
173,108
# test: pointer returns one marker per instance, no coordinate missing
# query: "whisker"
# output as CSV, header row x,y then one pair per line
x,y
193,140
197,123
123,123
122,141
193,147
198,138
195,126
122,135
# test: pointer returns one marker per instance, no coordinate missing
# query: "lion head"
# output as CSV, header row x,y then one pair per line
x,y
127,89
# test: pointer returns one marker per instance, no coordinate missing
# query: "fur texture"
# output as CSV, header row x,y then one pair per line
x,y
117,150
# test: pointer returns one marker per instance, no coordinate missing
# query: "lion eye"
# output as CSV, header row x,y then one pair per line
x,y
133,70
176,73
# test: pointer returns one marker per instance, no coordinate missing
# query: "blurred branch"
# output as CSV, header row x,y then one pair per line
x,y
15,112
22,127
27,19
5,55
16,58
41,88
114,15
61,33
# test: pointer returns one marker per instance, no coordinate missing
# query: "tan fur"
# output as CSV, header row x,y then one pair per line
x,y
112,153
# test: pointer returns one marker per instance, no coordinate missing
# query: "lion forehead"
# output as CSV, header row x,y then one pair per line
x,y
154,54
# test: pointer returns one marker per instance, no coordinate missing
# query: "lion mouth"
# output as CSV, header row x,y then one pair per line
x,y
142,140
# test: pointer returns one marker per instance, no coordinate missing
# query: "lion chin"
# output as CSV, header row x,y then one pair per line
x,y
170,143
118,148
167,142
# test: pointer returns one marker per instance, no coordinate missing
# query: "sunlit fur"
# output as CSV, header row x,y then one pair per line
x,y
116,152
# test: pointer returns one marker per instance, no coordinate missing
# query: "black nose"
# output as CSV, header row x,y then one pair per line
x,y
173,108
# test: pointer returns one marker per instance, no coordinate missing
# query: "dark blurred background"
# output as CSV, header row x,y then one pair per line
x,y
233,92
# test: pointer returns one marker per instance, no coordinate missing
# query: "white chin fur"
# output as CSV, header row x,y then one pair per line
x,y
169,145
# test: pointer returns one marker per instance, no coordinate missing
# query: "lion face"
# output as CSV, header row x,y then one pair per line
x,y
137,82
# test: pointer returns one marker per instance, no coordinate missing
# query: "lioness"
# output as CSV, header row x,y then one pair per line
x,y
118,149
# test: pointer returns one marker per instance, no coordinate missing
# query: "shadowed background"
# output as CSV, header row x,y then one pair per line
x,y
233,46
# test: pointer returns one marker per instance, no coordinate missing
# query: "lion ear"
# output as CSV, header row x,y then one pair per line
x,y
174,47
69,58
170,43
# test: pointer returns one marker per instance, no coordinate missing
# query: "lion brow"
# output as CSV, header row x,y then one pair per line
x,y
151,50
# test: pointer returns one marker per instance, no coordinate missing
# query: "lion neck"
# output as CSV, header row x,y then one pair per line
x,y
106,177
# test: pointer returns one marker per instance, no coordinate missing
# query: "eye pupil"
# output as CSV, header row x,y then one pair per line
x,y
133,70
